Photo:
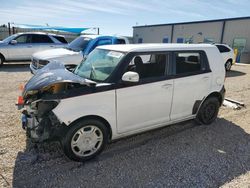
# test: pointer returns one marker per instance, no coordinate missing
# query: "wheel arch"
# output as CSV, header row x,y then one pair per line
x,y
1,55
230,59
199,103
95,117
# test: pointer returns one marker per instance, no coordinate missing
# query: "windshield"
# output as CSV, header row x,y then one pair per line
x,y
99,64
9,38
79,44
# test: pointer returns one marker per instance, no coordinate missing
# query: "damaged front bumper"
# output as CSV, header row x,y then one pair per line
x,y
39,126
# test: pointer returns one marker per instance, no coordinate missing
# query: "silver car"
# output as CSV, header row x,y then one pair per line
x,y
21,46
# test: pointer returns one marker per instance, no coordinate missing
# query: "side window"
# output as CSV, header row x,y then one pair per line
x,y
23,39
121,41
222,48
188,62
149,65
61,39
41,39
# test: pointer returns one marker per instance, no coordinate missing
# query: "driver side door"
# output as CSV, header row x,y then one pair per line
x,y
22,49
147,103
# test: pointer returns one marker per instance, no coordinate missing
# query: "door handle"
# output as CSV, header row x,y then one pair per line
x,y
29,46
205,78
166,86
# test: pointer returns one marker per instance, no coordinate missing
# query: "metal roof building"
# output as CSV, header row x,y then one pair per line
x,y
232,31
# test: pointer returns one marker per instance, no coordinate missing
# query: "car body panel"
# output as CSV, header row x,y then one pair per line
x,y
154,98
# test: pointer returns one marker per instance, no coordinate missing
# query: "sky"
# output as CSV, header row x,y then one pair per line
x,y
117,16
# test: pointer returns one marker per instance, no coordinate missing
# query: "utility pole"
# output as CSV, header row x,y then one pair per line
x,y
9,28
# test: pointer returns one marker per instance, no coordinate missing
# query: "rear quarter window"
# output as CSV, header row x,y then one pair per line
x,y
190,62
222,48
120,41
61,39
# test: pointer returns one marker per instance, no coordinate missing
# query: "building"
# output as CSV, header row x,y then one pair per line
x,y
233,31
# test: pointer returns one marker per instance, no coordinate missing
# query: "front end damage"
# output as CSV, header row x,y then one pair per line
x,y
40,122
42,93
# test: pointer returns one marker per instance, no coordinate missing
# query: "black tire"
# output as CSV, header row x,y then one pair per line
x,y
72,134
1,60
228,65
208,111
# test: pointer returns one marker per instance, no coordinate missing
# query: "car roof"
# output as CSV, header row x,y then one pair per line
x,y
95,36
155,47
41,33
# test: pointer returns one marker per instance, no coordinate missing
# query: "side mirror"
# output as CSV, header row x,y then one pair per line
x,y
130,77
13,42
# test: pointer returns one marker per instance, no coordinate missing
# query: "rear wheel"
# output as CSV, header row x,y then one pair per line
x,y
228,65
208,111
85,140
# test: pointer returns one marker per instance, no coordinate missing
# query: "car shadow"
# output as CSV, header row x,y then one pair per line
x,y
234,73
15,67
181,155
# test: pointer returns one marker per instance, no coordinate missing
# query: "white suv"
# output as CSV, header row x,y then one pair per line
x,y
120,90
21,46
227,54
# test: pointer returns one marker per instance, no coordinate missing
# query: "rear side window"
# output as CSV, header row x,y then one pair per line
x,y
188,62
223,48
121,41
41,39
61,39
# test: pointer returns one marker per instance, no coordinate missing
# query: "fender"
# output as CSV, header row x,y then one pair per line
x,y
220,95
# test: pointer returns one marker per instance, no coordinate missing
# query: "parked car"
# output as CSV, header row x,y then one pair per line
x,y
72,55
227,54
121,90
21,46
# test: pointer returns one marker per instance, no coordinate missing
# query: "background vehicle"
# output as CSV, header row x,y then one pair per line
x,y
227,54
73,54
120,90
21,46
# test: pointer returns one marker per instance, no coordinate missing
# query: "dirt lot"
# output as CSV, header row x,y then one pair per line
x,y
182,155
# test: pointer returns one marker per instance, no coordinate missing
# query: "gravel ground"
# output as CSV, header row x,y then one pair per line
x,y
182,155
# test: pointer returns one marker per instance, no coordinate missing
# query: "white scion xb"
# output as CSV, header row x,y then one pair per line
x,y
120,90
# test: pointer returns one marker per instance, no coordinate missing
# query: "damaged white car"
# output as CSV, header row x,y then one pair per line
x,y
120,90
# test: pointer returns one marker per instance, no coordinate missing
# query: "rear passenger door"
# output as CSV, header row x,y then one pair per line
x,y
191,84
41,42
147,103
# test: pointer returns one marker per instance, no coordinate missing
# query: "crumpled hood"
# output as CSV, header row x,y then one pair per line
x,y
55,53
52,74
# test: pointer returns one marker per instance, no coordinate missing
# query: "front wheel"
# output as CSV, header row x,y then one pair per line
x,y
85,140
208,111
1,60
228,65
